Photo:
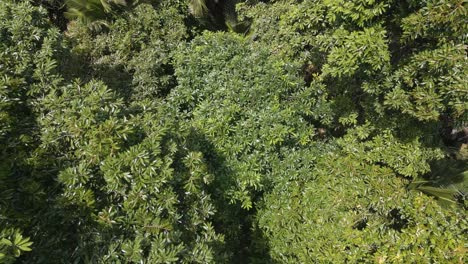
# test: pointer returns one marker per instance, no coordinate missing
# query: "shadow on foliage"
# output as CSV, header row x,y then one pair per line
x,y
74,65
55,10
243,241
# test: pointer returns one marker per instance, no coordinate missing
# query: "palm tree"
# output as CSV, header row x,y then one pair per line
x,y
199,8
92,12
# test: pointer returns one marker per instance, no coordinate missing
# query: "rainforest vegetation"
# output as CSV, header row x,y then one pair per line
x,y
233,131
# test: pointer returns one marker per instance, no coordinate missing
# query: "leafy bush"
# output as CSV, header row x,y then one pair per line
x,y
135,56
248,105
128,188
29,48
354,51
353,202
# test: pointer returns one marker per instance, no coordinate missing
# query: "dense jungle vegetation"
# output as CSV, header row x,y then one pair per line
x,y
233,131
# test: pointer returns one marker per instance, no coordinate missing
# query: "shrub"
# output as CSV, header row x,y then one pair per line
x,y
29,48
249,106
127,187
353,206
135,56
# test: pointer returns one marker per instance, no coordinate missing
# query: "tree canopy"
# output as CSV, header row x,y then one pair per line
x,y
233,131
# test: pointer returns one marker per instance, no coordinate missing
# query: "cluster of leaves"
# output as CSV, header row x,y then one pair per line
x,y
88,175
358,42
12,244
28,49
134,56
130,189
28,53
373,218
318,137
249,106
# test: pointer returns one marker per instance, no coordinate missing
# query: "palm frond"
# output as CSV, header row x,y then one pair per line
x,y
446,181
92,12
198,8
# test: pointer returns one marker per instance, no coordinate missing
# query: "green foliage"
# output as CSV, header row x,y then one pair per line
x,y
219,15
28,51
447,181
373,218
92,12
198,8
356,12
442,21
135,56
127,186
12,244
249,106
55,10
431,83
358,51
355,39
380,84
333,132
